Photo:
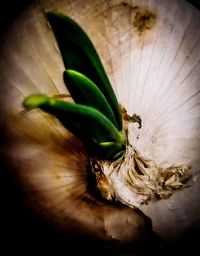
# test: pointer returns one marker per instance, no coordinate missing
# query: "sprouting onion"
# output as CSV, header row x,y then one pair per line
x,y
151,56
95,118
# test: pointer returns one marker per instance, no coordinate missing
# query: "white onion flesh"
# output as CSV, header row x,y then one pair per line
x,y
155,71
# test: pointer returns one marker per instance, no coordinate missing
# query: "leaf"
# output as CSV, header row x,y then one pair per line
x,y
79,53
86,123
84,91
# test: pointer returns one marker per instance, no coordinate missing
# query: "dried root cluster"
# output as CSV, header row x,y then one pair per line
x,y
134,179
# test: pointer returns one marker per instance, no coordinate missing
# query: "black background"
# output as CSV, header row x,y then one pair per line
x,y
21,232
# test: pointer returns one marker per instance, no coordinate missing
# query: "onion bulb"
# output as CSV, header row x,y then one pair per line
x,y
151,56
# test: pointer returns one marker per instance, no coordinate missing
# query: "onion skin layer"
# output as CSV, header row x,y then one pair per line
x,y
63,196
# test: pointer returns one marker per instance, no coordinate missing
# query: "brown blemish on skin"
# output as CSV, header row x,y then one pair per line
x,y
144,20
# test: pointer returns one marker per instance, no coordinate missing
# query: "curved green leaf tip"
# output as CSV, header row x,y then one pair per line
x,y
35,101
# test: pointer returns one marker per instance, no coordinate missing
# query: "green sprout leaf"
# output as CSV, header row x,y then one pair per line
x,y
84,91
86,123
79,53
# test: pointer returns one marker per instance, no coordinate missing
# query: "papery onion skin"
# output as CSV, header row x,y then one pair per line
x,y
159,67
